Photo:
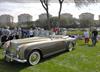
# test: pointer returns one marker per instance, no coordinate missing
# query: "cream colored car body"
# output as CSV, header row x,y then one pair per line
x,y
20,49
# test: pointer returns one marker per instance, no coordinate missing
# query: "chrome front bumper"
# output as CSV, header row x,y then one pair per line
x,y
12,58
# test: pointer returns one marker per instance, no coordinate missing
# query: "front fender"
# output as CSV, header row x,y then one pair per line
x,y
30,50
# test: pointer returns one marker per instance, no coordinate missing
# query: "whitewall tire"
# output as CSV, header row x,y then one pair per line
x,y
34,58
70,46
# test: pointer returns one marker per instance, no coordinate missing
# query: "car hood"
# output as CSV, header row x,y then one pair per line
x,y
29,40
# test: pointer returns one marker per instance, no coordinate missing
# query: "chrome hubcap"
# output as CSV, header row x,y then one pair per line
x,y
34,58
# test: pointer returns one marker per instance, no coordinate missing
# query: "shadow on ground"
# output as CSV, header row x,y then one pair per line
x,y
11,66
17,67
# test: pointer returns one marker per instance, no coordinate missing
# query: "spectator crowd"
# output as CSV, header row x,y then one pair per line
x,y
19,33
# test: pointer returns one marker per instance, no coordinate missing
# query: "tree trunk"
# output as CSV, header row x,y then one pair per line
x,y
59,16
48,20
45,6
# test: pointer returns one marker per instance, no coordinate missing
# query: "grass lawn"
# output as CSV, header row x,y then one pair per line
x,y
83,59
80,32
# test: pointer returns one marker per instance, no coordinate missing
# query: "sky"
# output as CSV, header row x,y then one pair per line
x,y
25,1
35,8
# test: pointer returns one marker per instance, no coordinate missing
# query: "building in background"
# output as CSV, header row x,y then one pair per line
x,y
87,20
66,16
66,19
99,17
86,16
6,20
43,16
98,22
24,20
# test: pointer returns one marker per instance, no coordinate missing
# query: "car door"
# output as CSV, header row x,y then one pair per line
x,y
53,47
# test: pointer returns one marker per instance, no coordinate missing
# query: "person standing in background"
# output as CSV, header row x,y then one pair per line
x,y
86,36
94,37
31,33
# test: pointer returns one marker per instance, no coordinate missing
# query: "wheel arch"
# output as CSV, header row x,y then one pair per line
x,y
70,42
28,52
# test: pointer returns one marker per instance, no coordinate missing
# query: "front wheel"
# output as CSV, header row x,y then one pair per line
x,y
7,59
34,58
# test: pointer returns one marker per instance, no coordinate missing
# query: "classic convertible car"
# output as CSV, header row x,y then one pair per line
x,y
33,49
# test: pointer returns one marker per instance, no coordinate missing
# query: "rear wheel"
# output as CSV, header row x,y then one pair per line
x,y
70,46
34,58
